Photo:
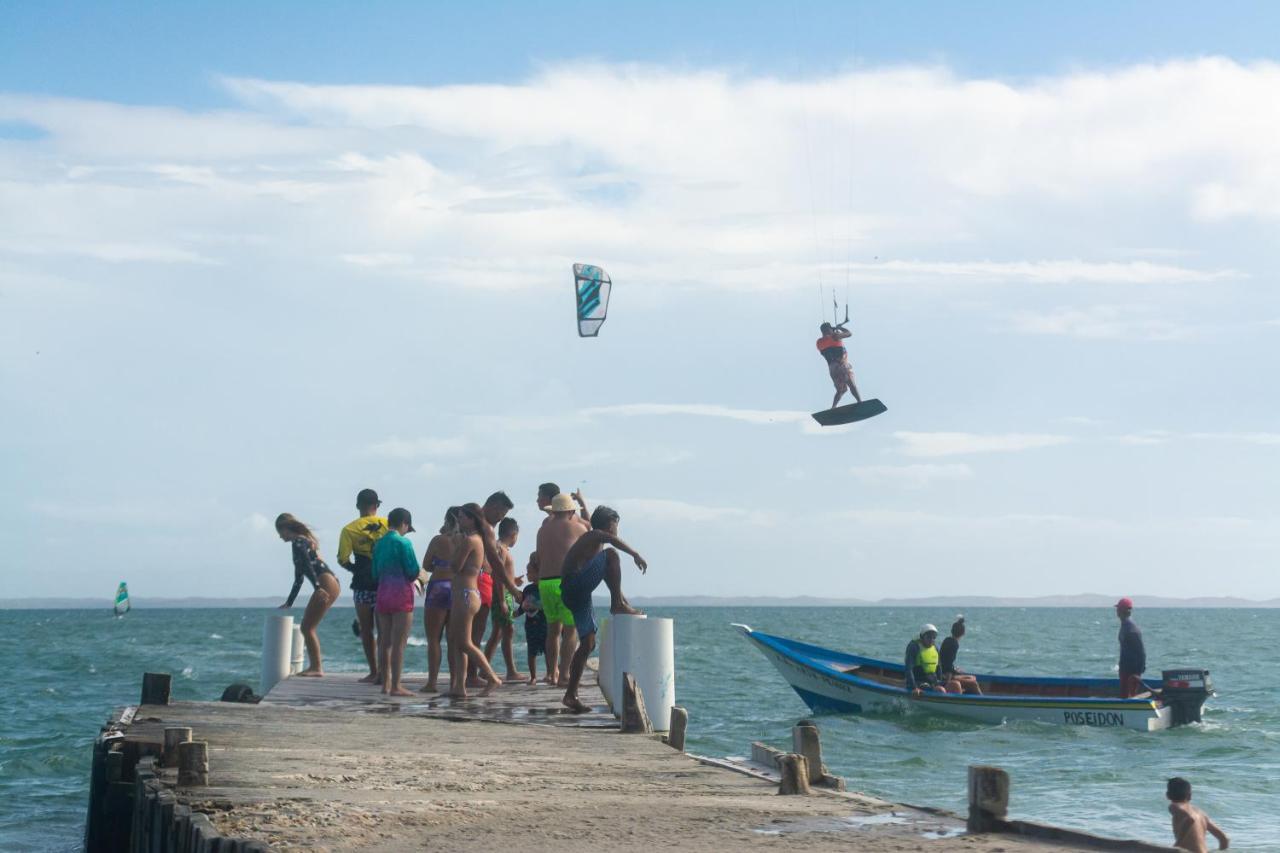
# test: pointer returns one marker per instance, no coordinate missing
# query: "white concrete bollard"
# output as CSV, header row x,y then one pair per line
x,y
299,647
604,673
621,630
277,643
653,663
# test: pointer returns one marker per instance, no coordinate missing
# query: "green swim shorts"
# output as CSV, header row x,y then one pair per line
x,y
552,604
503,618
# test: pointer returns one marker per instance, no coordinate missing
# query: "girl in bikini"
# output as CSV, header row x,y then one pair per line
x,y
307,564
467,562
438,561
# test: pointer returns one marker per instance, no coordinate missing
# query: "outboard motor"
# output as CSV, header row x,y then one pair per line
x,y
1185,691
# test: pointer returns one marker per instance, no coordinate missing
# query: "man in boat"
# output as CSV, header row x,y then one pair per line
x,y
831,347
921,663
1133,654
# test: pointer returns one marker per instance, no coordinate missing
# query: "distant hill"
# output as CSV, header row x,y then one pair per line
x,y
948,601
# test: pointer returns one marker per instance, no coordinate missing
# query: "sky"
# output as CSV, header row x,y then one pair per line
x,y
254,259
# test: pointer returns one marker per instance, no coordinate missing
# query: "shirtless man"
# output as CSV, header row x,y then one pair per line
x,y
585,566
831,347
1189,823
556,536
495,508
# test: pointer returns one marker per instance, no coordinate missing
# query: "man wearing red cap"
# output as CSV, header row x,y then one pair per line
x,y
1133,655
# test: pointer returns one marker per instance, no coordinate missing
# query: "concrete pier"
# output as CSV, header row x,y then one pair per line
x,y
330,764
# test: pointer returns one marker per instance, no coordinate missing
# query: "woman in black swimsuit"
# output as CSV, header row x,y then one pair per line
x,y
307,564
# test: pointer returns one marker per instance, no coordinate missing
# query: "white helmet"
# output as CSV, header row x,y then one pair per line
x,y
928,629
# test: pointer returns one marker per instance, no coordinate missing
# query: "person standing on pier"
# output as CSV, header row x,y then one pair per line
x,y
504,628
535,622
559,531
495,508
468,562
1133,654
355,554
585,566
307,564
438,561
395,568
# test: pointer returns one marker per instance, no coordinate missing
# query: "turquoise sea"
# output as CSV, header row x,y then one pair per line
x,y
67,669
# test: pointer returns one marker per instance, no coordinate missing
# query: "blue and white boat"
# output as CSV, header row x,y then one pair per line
x,y
837,682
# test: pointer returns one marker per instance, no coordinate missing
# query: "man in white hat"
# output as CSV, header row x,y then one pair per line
x,y
561,528
921,662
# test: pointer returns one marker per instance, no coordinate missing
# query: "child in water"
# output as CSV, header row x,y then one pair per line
x,y
535,621
1189,823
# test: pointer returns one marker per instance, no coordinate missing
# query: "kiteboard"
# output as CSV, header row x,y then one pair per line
x,y
850,413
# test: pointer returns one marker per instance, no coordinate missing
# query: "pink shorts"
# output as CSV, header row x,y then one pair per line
x,y
485,584
395,595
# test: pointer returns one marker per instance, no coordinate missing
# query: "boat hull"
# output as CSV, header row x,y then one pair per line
x,y
827,690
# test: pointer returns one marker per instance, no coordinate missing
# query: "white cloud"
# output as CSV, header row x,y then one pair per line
x,y
496,186
1101,322
955,443
700,410
402,448
125,513
1145,437
1041,272
664,510
1260,438
910,476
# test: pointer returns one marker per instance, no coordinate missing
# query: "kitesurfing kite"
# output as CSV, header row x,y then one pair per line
x,y
831,348
591,286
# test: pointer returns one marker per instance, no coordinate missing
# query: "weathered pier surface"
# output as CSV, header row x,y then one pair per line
x,y
329,764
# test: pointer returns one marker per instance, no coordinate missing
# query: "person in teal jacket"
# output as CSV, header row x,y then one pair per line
x,y
396,571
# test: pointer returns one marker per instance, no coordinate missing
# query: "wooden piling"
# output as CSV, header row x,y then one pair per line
x,y
676,729
806,741
794,770
173,735
635,719
193,763
988,798
155,688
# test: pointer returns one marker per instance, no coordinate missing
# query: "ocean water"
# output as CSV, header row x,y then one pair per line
x,y
67,669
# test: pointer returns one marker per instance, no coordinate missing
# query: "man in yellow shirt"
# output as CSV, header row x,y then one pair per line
x,y
355,554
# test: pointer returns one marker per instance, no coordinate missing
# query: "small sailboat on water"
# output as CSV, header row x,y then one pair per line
x,y
122,600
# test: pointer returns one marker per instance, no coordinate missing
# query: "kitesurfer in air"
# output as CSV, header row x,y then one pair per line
x,y
831,347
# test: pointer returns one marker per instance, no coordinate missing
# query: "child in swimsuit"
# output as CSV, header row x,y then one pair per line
x,y
535,621
504,614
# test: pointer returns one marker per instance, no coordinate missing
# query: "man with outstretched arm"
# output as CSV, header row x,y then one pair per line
x,y
586,564
831,347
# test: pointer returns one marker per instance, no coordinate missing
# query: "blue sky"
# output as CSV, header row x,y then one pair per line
x,y
255,260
